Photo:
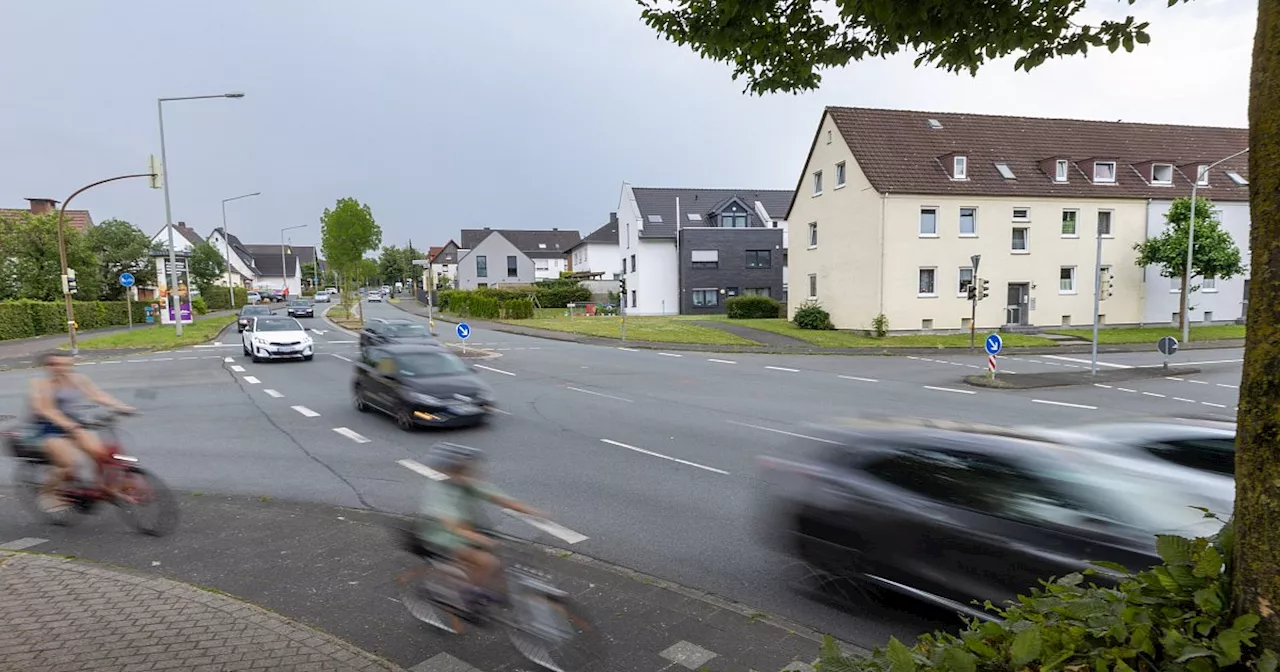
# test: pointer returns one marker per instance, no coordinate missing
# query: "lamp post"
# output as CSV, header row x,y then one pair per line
x,y
226,242
1201,174
175,300
284,270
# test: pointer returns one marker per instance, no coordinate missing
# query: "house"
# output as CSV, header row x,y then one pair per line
x,y
492,261
309,254
1216,300
892,206
75,219
275,271
244,270
598,252
444,264
184,238
688,250
546,248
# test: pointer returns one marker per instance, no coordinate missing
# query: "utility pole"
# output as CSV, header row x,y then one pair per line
x,y
1097,298
973,301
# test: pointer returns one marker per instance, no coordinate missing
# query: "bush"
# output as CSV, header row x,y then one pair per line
x,y
751,307
1175,616
199,306
484,307
880,326
517,309
810,315
217,298
25,318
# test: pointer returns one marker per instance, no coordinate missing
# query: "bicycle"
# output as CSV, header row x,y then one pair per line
x,y
542,621
118,480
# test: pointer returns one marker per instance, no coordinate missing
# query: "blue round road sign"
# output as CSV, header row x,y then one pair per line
x,y
994,343
464,331
126,279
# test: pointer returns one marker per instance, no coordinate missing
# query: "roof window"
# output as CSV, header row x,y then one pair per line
x,y
655,219
1162,173
695,217
1104,171
935,124
1005,171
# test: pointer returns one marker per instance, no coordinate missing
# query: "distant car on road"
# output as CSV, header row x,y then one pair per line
x,y
420,386
247,314
332,291
301,308
254,297
276,338
381,331
277,295
375,296
322,297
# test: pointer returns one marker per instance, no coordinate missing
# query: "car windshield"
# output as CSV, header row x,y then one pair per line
x,y
406,330
255,310
279,325
426,364
299,304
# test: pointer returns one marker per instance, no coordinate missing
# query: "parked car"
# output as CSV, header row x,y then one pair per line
x,y
276,338
254,297
375,295
381,331
301,308
953,516
420,386
322,297
277,295
332,291
247,314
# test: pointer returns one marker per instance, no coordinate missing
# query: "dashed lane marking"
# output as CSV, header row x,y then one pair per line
x,y
273,393
351,434
783,432
722,361
669,354
665,457
1229,387
1153,394
237,368
948,389
306,412
1063,403
251,380
861,379
597,394
1206,403
1085,361
490,368
782,368
1185,401
345,359
1125,389
228,359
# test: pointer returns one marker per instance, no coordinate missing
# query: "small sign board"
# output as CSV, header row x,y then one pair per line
x,y
126,279
463,331
993,344
1167,345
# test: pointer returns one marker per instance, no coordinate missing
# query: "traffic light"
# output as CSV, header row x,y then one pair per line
x,y
69,282
973,292
157,172
623,287
1107,284
985,289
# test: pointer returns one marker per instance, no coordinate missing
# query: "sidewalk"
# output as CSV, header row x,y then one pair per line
x,y
22,352
64,615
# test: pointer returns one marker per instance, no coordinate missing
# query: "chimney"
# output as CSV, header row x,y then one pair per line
x,y
486,228
613,218
554,229
41,206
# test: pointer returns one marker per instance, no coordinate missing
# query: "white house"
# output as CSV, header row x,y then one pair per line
x,y
271,275
546,247
1216,300
444,263
598,252
494,261
184,238
244,271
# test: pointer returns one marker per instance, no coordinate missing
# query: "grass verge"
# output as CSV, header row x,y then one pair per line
x,y
160,337
656,329
852,339
1120,335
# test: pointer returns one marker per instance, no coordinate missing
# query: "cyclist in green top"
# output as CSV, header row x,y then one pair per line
x,y
452,512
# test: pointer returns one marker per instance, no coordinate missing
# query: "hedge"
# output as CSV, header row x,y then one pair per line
x,y
24,318
517,309
217,298
487,304
749,307
548,293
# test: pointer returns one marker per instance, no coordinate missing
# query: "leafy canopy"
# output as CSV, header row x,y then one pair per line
x,y
206,265
120,248
1215,254
36,273
781,45
347,232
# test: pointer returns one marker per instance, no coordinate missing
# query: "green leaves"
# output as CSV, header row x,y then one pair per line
x,y
1215,254
347,232
1026,647
900,657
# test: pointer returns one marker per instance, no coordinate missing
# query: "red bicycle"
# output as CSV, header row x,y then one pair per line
x,y
140,496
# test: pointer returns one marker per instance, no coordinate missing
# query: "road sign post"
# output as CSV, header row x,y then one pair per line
x,y
126,281
464,332
1167,346
993,345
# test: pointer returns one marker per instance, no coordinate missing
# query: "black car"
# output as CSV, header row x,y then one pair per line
x,y
301,308
380,331
957,515
420,386
247,314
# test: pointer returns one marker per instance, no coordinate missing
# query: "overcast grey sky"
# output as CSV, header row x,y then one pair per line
x,y
504,113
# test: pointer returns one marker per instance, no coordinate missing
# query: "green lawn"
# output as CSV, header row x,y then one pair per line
x,y
658,329
161,337
1152,334
851,339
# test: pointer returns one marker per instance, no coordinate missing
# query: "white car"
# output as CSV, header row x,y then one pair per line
x,y
322,297
375,296
253,297
276,338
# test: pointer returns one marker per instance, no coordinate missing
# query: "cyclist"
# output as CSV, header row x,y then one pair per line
x,y
451,508
53,402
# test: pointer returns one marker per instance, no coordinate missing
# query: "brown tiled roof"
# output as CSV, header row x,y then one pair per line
x,y
900,151
76,219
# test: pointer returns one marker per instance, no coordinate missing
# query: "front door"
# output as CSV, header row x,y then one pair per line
x,y
1019,295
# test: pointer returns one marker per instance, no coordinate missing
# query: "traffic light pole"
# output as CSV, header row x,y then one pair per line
x,y
1097,297
973,316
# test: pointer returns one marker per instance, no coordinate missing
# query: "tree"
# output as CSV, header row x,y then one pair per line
x,y
780,45
120,248
392,264
206,265
369,272
36,273
347,232
1215,254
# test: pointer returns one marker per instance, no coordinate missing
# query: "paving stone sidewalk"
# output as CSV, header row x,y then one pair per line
x,y
59,615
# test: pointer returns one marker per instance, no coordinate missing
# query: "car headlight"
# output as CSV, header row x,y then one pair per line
x,y
425,399
259,340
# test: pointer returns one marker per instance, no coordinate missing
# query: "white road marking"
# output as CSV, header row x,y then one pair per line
x,y
1105,387
305,411
722,361
948,389
85,363
1214,361
669,354
783,368
134,361
784,432
1125,389
499,410
1189,401
1085,361
597,394
1063,403
228,359
186,358
162,359
422,470
273,393
1153,394
340,357
628,349
1197,382
19,544
865,380
912,357
105,363
351,434
340,342
554,529
1206,403
237,368
1175,378
490,368
1230,387
665,457
251,380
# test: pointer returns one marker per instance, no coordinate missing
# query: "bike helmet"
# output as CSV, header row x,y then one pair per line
x,y
451,456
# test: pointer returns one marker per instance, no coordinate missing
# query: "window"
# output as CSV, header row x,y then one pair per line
x,y
1067,280
1104,222
695,217
1202,175
730,291
817,183
1209,284
1208,454
1019,242
1161,173
840,175
1069,218
1235,177
813,286
966,280
733,220
828,137
813,234
759,258
633,263
756,291
512,271
960,168
633,298
1022,214
926,286
968,221
926,324
706,298
928,221
1060,170
1104,171
705,258
482,266
655,219
1005,171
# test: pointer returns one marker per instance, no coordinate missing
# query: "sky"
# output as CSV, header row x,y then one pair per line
x,y
501,113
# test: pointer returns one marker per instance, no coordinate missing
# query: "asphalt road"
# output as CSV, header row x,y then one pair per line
x,y
650,454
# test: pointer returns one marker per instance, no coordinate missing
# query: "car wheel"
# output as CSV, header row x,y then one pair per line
x,y
404,419
307,358
361,406
253,354
245,350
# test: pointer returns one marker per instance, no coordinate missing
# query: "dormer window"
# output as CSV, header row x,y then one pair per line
x,y
1162,173
1060,170
733,217
959,168
1104,171
1202,176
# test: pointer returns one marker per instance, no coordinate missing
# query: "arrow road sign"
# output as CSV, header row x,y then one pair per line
x,y
464,331
1167,345
126,279
994,344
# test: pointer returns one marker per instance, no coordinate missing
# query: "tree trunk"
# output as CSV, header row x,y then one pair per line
x,y
1256,567
1183,301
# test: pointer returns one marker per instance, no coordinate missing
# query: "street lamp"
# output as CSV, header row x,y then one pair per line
x,y
226,240
1202,173
175,299
284,279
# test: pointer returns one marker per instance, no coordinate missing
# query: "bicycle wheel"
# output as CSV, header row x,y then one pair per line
x,y
429,596
29,477
146,504
555,633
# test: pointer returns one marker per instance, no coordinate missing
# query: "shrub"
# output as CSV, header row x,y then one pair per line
x,y
484,307
560,293
199,305
810,315
25,318
217,298
750,307
1174,616
517,309
880,325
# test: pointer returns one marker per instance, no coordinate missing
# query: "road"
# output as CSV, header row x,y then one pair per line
x,y
650,454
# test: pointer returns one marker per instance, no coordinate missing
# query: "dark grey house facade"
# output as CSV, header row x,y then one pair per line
x,y
717,264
